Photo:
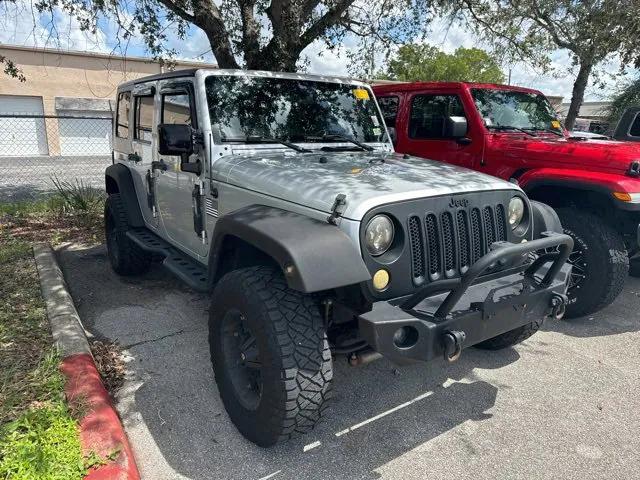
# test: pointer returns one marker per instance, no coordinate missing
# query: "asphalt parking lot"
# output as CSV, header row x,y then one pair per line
x,y
564,404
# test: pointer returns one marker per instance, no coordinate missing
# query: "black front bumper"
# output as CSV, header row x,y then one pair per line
x,y
425,325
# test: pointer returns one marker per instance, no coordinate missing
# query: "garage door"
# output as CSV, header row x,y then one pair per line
x,y
84,136
22,136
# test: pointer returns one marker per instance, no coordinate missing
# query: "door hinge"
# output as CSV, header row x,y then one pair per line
x,y
338,208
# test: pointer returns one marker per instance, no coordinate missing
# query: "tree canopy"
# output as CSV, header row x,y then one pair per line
x,y
592,31
627,96
428,63
253,34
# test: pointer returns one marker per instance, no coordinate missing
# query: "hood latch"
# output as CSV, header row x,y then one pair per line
x,y
339,205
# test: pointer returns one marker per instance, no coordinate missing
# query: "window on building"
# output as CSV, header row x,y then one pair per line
x,y
429,115
144,118
634,131
176,108
389,107
122,115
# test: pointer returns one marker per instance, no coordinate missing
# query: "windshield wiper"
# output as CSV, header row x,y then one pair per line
x,y
259,139
509,127
337,136
543,129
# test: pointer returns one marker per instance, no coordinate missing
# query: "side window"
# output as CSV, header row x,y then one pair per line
x,y
176,108
429,114
122,114
144,118
634,131
389,107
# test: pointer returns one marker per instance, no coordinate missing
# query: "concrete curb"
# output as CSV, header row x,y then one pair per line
x,y
101,430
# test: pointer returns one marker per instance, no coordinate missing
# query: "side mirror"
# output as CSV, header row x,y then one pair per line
x,y
393,135
175,139
455,127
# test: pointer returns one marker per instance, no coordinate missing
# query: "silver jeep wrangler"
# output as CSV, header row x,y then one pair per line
x,y
282,196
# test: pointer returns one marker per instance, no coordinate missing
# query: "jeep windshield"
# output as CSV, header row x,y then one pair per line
x,y
519,111
291,110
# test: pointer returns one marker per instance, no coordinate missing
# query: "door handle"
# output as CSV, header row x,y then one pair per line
x,y
134,157
155,165
463,141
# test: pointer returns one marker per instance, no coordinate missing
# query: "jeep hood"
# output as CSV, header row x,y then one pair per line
x,y
597,155
367,179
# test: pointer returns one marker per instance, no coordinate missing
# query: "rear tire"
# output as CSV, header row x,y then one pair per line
x,y
270,355
511,337
600,262
126,257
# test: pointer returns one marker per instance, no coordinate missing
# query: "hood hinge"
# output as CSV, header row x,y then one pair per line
x,y
339,205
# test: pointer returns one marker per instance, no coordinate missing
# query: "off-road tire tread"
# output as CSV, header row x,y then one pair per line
x,y
511,337
296,335
133,260
609,282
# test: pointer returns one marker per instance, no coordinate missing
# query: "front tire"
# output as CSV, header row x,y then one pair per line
x,y
599,259
270,355
126,257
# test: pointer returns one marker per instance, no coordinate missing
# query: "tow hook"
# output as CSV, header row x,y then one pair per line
x,y
558,305
453,341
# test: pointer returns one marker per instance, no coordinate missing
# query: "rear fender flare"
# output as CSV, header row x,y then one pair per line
x,y
118,180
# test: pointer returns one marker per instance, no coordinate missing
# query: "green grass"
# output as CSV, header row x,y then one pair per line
x,y
38,433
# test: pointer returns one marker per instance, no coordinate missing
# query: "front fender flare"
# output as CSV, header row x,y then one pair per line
x,y
313,255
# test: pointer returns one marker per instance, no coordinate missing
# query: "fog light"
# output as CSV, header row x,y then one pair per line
x,y
380,280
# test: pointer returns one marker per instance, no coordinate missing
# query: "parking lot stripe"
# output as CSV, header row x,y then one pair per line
x,y
384,414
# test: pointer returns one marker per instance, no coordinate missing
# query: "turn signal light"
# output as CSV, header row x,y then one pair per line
x,y
380,280
623,196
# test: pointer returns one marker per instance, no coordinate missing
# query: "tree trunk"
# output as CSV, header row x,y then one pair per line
x,y
577,97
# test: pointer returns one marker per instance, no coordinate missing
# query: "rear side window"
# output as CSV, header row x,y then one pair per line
x,y
634,131
429,114
144,118
176,108
389,107
122,115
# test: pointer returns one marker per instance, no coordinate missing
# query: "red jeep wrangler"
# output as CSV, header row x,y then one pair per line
x,y
514,133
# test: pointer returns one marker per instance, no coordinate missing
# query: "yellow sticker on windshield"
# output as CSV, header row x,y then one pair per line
x,y
361,93
555,124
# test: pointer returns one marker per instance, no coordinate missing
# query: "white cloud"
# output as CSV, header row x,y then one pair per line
x,y
21,24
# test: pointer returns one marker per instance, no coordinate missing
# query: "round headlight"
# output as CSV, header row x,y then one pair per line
x,y
379,235
516,212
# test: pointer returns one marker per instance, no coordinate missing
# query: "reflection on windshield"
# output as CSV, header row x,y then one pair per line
x,y
293,110
502,108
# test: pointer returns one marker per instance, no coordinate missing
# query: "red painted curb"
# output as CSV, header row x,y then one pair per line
x,y
100,428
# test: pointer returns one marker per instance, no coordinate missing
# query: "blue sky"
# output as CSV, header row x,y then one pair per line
x,y
18,26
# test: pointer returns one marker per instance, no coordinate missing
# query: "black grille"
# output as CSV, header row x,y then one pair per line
x,y
501,223
454,240
433,244
489,225
448,242
465,242
476,235
417,250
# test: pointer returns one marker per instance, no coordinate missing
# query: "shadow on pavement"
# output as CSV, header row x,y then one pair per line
x,y
173,400
619,317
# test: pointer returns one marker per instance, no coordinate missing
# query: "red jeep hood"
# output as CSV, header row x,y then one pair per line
x,y
601,155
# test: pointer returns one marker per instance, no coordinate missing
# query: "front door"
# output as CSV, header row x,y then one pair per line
x,y
180,194
424,133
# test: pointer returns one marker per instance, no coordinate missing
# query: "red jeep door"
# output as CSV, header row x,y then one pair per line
x,y
423,132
